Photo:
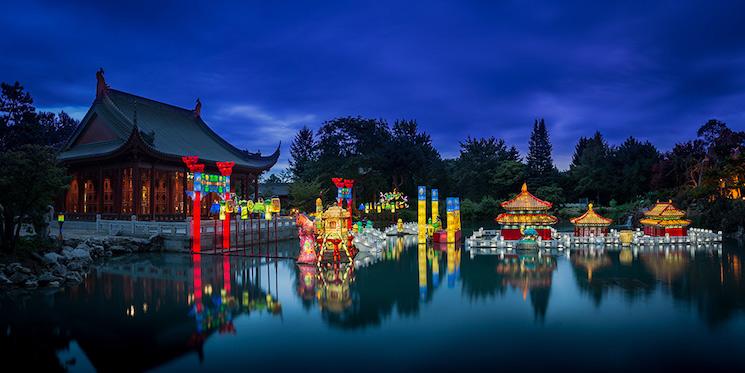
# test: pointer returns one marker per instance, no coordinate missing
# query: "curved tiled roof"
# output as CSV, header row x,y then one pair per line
x,y
168,130
664,210
526,202
590,217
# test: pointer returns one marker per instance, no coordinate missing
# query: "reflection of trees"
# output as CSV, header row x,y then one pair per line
x,y
715,286
596,272
133,314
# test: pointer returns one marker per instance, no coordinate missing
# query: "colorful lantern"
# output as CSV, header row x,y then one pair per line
x,y
276,206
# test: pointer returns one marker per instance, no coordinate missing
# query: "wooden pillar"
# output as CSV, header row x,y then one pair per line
x,y
117,181
99,191
152,192
81,190
186,199
256,187
136,189
169,191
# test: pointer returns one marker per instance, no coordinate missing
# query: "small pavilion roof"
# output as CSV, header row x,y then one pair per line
x,y
664,210
591,218
525,201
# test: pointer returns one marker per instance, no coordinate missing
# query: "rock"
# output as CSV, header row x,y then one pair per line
x,y
119,249
4,280
19,278
31,284
83,246
53,284
16,267
77,254
73,277
46,278
96,250
59,270
74,266
51,258
108,253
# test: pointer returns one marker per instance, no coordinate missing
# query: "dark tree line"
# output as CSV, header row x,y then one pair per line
x,y
698,174
30,177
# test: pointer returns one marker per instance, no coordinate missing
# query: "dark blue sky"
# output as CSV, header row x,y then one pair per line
x,y
478,68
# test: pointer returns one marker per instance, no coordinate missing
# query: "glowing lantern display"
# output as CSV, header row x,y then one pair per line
x,y
435,205
276,205
422,209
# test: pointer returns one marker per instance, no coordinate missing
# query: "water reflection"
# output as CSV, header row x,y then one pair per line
x,y
158,309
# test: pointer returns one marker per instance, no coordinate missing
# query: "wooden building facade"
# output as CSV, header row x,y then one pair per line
x,y
125,159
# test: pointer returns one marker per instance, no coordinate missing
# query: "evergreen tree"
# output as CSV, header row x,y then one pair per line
x,y
540,165
303,151
591,174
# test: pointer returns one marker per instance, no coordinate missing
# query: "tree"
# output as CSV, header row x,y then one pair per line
x,y
590,174
303,195
21,124
479,161
632,165
30,181
303,152
540,165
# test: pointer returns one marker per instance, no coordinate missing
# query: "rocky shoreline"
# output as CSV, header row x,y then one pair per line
x,y
71,263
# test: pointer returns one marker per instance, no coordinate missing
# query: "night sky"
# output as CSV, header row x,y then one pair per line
x,y
654,71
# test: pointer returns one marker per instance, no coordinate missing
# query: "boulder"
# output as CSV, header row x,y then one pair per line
x,y
46,277
119,249
19,277
77,254
31,283
74,266
51,258
4,280
53,284
59,270
73,277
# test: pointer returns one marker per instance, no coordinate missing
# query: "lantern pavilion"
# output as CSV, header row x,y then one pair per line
x,y
590,223
526,211
664,218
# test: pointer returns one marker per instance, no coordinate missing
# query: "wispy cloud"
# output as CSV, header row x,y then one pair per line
x,y
77,112
269,125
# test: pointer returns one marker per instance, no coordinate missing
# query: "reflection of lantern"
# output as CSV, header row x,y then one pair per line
x,y
276,207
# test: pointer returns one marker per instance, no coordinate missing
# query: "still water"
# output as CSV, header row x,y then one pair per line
x,y
413,308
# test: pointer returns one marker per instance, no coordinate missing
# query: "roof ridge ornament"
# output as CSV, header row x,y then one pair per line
x,y
101,86
198,109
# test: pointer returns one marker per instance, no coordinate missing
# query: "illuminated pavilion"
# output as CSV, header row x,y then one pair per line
x,y
125,159
590,223
664,218
526,211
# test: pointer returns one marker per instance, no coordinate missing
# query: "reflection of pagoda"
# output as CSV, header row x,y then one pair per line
x,y
525,211
532,275
333,294
666,267
590,261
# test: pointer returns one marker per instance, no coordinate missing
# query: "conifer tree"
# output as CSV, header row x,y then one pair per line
x,y
540,164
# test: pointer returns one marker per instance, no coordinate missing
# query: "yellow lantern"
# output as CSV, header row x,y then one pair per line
x,y
60,218
268,215
276,207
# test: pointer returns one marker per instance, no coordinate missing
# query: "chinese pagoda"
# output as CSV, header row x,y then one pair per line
x,y
664,218
525,211
590,223
124,159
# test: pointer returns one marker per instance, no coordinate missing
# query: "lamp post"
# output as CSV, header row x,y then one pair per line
x,y
195,194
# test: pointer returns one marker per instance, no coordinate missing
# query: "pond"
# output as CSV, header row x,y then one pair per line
x,y
414,308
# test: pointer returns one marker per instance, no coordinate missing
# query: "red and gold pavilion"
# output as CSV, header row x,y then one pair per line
x,y
590,223
526,211
664,218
